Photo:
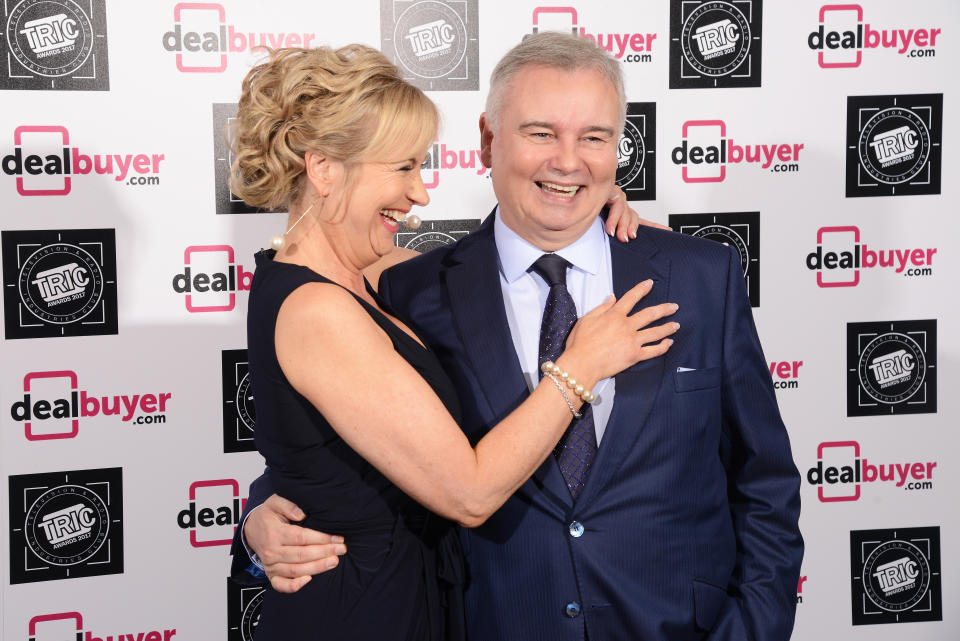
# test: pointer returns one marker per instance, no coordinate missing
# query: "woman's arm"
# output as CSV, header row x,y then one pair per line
x,y
334,354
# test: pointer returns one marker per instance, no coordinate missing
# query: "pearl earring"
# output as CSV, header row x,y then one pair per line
x,y
412,221
276,243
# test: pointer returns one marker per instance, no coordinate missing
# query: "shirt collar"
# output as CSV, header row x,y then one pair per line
x,y
517,254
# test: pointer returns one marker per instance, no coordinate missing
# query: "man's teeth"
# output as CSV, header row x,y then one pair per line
x,y
568,190
398,216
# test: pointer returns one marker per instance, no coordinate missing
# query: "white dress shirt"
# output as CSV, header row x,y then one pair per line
x,y
589,281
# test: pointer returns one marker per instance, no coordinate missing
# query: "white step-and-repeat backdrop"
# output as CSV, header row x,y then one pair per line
x,y
818,139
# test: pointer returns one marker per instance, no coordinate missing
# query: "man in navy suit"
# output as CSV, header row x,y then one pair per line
x,y
686,524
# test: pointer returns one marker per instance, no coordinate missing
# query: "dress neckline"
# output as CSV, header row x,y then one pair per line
x,y
269,254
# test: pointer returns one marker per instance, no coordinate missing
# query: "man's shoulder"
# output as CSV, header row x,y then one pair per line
x,y
682,246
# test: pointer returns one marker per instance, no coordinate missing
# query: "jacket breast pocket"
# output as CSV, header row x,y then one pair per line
x,y
696,379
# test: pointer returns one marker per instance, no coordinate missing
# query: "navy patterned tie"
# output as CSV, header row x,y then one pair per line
x,y
578,447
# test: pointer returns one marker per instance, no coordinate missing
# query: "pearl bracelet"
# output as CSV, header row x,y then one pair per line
x,y
559,385
549,367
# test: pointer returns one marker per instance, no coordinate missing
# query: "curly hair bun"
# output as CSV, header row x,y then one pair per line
x,y
350,104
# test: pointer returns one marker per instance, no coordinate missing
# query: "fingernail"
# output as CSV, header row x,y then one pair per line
x,y
674,306
676,326
298,514
332,562
648,282
336,538
340,549
633,234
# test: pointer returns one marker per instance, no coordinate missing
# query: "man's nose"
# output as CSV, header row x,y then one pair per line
x,y
566,158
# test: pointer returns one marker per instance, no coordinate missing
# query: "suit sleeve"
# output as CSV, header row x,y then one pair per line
x,y
240,569
762,480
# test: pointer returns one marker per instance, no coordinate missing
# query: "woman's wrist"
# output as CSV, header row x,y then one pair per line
x,y
576,377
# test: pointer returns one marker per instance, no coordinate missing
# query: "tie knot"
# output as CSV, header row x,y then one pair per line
x,y
552,268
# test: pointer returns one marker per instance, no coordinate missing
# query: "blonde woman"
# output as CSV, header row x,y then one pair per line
x,y
355,417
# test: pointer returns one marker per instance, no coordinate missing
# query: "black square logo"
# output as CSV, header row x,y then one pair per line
x,y
65,525
226,202
54,44
59,282
892,368
435,233
715,44
637,152
740,230
895,575
434,42
239,413
243,610
893,145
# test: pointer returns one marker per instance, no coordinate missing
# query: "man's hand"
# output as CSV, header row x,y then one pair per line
x,y
290,554
622,220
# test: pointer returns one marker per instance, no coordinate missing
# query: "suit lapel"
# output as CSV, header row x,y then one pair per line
x,y
477,306
637,387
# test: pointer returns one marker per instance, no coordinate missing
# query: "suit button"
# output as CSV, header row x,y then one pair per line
x,y
572,610
576,529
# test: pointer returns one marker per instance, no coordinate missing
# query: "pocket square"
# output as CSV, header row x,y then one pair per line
x,y
680,370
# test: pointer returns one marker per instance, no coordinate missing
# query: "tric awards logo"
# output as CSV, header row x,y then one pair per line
x,y
58,45
59,283
239,412
637,152
435,233
226,201
893,145
891,368
243,610
65,525
895,575
434,42
715,44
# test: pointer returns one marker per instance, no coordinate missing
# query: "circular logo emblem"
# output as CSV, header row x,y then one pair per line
x,y
429,240
60,283
892,368
715,39
894,145
67,525
244,403
727,236
630,154
251,617
896,576
50,37
430,38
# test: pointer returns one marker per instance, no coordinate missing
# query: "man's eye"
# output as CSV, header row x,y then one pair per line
x,y
542,135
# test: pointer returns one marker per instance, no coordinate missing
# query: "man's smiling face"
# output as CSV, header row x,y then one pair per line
x,y
553,152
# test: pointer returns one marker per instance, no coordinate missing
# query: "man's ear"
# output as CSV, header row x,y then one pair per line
x,y
322,172
486,141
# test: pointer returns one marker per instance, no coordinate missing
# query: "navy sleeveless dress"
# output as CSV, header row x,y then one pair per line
x,y
403,574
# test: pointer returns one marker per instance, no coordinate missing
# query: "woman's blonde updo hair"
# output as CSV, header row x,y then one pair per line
x,y
349,104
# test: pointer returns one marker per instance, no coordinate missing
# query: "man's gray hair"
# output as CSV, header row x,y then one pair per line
x,y
556,50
